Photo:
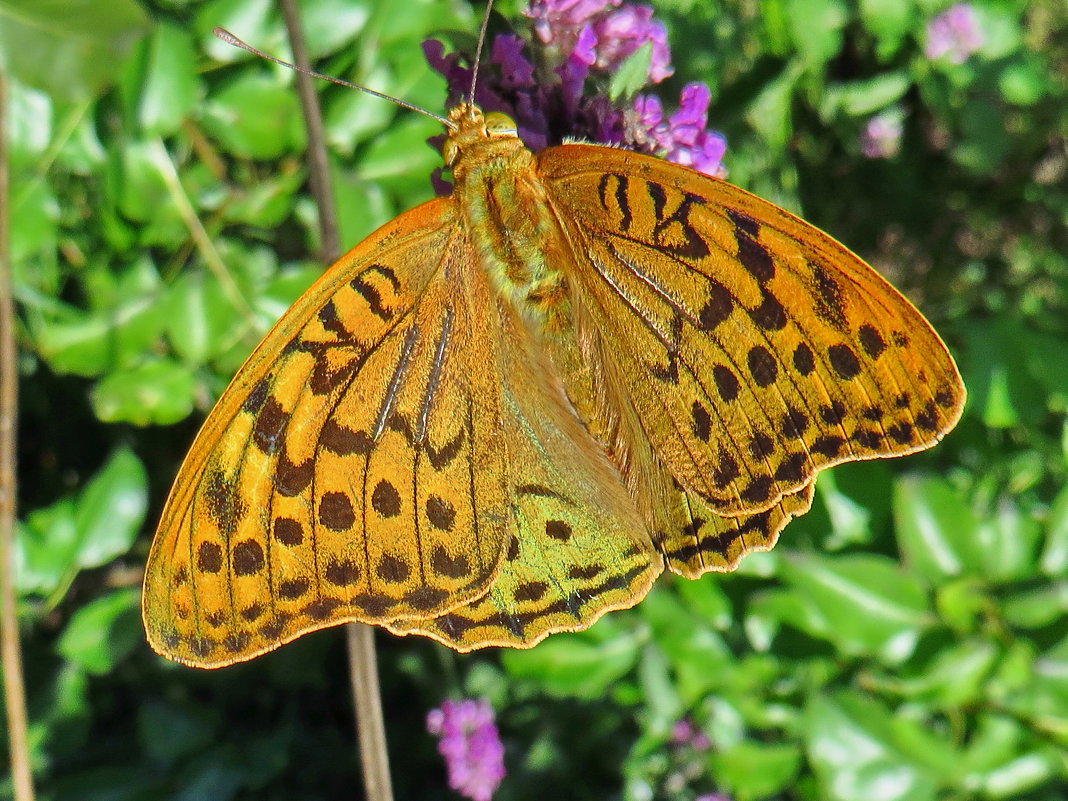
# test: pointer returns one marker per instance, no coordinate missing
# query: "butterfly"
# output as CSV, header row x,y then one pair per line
x,y
507,411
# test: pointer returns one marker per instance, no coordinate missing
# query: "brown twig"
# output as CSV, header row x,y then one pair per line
x,y
363,675
363,666
10,647
318,172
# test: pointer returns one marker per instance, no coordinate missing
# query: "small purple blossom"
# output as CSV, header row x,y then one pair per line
x,y
622,32
559,20
549,86
712,797
684,137
685,734
563,26
471,746
881,138
954,34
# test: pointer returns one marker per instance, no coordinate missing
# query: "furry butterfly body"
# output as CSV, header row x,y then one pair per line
x,y
506,411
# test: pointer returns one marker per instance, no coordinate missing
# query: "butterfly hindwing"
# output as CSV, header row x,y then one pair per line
x,y
582,548
755,349
696,540
353,470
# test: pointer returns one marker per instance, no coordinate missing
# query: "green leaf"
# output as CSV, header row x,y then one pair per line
x,y
254,21
70,50
87,531
286,287
938,535
111,509
201,321
816,29
852,743
889,21
331,24
29,126
1010,541
138,180
362,205
1037,608
955,676
996,740
1024,83
1054,559
1025,773
581,665
770,112
850,521
862,98
158,391
631,75
962,604
1006,364
697,654
34,229
44,548
1051,675
751,771
707,600
101,633
869,604
80,344
268,202
169,85
661,694
256,117
769,611
352,118
401,156
1002,32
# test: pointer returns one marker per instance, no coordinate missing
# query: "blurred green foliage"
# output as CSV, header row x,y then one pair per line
x,y
906,640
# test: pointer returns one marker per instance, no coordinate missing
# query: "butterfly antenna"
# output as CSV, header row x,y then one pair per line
x,y
478,53
230,39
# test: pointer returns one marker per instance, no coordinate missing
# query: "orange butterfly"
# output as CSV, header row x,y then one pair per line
x,y
506,411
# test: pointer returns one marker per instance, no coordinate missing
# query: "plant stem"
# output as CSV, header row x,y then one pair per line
x,y
363,673
10,647
318,172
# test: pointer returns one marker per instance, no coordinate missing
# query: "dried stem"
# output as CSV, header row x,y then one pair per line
x,y
363,667
10,647
363,674
318,172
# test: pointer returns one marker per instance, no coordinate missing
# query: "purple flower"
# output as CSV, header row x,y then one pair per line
x,y
881,138
712,797
954,34
549,85
469,741
516,71
591,33
684,733
622,32
560,20
682,137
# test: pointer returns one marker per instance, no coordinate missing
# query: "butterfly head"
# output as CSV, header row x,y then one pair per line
x,y
470,127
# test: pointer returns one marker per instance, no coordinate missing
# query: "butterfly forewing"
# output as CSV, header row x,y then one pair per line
x,y
353,470
755,349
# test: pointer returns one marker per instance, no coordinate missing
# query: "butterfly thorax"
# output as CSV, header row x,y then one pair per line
x,y
507,212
